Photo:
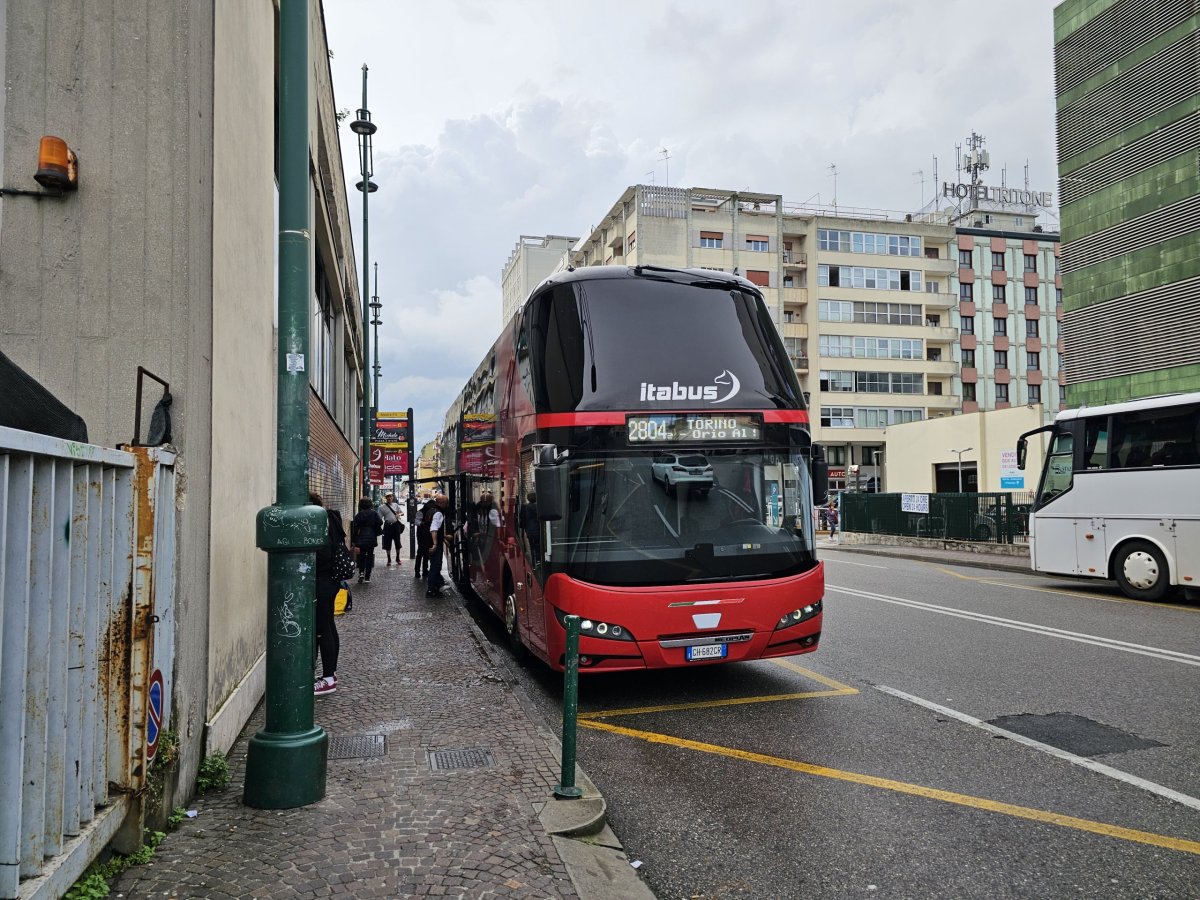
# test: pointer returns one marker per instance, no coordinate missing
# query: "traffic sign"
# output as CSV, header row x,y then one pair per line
x,y
154,708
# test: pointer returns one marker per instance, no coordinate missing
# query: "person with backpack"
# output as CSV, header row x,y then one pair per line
x,y
365,528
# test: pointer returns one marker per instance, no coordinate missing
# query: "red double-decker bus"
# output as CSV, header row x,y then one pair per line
x,y
635,450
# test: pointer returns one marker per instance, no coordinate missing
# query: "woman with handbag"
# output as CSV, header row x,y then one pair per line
x,y
330,562
365,529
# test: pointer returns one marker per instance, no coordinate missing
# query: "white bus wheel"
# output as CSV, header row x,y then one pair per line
x,y
1141,571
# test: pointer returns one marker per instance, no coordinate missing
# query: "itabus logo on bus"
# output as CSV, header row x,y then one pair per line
x,y
677,391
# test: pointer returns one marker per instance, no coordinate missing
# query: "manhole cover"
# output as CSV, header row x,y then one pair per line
x,y
469,758
356,746
1075,734
412,616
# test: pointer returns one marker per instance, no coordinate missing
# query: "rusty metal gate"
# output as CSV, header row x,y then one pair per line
x,y
87,541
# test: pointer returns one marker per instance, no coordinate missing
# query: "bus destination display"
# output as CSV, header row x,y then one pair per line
x,y
681,428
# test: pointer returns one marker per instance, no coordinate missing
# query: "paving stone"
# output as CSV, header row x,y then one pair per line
x,y
410,669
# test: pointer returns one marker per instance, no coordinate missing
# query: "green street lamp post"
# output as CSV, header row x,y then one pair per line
x,y
376,306
285,760
364,128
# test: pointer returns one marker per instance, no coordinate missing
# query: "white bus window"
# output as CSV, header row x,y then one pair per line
x,y
1157,437
1095,454
1060,468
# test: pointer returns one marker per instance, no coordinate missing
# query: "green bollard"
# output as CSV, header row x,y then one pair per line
x,y
566,789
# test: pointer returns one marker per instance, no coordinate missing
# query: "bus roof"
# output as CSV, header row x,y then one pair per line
x,y
1158,402
683,276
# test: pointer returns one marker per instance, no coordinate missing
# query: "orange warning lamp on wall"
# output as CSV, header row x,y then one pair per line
x,y
57,165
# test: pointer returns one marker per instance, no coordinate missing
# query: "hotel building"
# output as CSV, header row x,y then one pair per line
x,y
864,300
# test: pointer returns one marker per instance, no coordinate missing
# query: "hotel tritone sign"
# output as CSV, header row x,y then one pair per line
x,y
981,192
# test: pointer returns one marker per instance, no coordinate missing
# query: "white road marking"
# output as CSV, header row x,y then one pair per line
x,y
846,562
1082,761
1175,656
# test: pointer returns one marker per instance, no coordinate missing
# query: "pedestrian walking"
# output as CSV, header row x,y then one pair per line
x,y
831,516
365,529
439,529
389,510
327,643
424,518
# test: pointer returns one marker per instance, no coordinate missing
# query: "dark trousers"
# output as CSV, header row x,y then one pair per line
x,y
436,581
422,560
366,560
391,537
328,642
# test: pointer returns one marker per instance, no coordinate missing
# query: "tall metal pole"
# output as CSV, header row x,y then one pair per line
x,y
285,761
376,308
364,128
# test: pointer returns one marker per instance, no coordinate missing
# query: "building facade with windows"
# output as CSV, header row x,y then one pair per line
x,y
533,259
1008,313
863,300
1127,76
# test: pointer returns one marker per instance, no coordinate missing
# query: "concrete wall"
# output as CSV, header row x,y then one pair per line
x,y
119,274
913,450
243,385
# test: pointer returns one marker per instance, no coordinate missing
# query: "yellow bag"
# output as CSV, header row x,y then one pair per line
x,y
339,602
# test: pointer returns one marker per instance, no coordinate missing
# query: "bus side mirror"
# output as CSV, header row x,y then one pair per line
x,y
820,476
549,483
1022,449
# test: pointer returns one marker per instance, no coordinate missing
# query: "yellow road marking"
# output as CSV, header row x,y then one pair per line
x,y
1008,809
838,690
711,704
815,676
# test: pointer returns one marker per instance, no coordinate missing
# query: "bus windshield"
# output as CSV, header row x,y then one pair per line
x,y
670,516
1059,469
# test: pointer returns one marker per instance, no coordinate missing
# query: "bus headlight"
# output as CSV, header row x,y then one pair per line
x,y
796,616
594,628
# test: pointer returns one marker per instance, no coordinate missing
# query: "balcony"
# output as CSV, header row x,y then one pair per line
x,y
939,333
800,363
793,294
940,300
795,259
939,266
794,329
940,402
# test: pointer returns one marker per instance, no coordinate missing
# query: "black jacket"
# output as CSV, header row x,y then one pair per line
x,y
327,584
365,528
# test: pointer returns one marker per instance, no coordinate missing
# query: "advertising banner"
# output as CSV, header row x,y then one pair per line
x,y
477,444
1011,478
391,438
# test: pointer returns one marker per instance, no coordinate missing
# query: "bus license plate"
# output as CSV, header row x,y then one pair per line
x,y
708,651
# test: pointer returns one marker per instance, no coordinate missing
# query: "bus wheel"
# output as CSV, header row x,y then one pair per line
x,y
512,625
1141,571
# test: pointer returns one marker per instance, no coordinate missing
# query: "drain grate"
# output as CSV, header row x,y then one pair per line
x,y
356,746
411,616
1075,734
467,758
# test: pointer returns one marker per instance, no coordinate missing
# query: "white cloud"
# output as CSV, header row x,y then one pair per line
x,y
532,117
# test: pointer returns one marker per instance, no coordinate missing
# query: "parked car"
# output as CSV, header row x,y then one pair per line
x,y
689,469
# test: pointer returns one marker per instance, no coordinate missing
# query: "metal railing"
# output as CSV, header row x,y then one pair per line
x,y
86,546
999,518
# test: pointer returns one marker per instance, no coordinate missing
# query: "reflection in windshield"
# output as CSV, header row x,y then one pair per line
x,y
662,517
1060,468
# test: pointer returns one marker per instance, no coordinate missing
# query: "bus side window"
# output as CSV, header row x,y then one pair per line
x,y
1096,444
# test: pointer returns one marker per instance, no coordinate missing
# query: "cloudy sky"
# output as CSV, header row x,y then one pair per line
x,y
498,119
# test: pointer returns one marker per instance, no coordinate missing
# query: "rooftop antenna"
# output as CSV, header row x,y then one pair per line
x,y
651,174
666,166
920,173
833,169
1027,173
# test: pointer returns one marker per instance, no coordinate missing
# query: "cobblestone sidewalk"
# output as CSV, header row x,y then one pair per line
x,y
392,825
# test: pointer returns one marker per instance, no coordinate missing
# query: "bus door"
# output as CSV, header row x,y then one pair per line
x,y
529,562
1053,543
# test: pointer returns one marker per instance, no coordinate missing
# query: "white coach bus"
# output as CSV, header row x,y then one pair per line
x,y
1119,495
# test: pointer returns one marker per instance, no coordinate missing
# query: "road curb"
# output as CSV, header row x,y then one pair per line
x,y
591,852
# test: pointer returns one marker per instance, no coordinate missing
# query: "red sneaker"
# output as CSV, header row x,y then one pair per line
x,y
323,686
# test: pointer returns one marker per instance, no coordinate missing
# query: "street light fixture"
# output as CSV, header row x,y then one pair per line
x,y
960,453
364,128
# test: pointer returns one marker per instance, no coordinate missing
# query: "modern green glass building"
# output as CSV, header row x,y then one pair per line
x,y
1127,78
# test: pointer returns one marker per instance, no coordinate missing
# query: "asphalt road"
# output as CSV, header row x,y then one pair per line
x,y
959,733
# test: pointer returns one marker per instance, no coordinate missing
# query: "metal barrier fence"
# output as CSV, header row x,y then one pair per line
x,y
991,518
86,544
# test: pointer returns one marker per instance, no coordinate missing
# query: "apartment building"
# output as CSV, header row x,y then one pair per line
x,y
1127,81
863,300
1009,312
533,259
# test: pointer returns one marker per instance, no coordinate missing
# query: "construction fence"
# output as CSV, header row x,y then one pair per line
x,y
998,518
